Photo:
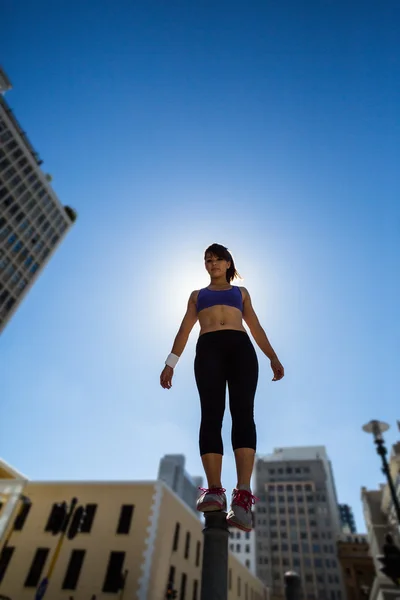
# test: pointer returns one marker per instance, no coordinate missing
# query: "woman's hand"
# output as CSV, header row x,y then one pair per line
x,y
277,368
166,377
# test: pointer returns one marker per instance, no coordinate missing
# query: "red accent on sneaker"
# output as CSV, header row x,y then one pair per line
x,y
244,499
218,491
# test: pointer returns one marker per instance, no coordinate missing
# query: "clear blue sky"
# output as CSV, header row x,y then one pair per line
x,y
271,127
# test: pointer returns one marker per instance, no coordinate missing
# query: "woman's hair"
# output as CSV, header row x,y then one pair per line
x,y
223,252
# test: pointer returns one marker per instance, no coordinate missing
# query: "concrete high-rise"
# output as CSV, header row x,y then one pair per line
x,y
33,222
172,471
297,522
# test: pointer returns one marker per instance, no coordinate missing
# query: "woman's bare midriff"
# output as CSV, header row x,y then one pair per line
x,y
220,317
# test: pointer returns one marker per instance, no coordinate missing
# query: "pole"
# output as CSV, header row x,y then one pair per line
x,y
214,577
292,585
40,592
382,451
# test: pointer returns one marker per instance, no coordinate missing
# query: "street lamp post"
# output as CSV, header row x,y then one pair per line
x,y
377,428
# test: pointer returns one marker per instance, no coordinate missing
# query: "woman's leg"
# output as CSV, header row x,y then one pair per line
x,y
211,384
242,382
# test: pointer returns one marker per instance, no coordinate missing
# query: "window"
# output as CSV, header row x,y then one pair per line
x,y
88,522
318,563
125,518
247,535
237,547
187,544
171,576
182,594
195,589
5,558
113,579
247,549
36,569
247,563
198,548
73,570
231,547
176,537
22,516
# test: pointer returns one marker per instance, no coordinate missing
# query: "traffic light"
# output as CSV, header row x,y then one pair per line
x,y
57,518
78,519
390,560
171,593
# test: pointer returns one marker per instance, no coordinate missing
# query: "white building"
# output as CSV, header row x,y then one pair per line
x,y
33,222
242,545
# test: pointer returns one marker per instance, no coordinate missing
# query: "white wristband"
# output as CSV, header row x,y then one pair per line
x,y
172,360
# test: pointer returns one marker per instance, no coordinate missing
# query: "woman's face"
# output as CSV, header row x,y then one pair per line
x,y
216,266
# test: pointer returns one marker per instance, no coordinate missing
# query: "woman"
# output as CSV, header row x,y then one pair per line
x,y
224,355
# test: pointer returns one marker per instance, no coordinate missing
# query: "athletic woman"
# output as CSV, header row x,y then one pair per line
x,y
224,355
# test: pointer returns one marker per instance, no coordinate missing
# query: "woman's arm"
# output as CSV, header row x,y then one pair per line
x,y
259,335
181,339
186,326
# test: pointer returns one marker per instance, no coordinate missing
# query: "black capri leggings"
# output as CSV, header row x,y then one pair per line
x,y
222,357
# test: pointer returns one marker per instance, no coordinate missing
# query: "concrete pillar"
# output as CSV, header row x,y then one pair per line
x,y
214,580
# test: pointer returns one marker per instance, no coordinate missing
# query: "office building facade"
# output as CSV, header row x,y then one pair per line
x,y
297,522
33,222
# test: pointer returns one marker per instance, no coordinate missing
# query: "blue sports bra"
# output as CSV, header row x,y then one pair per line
x,y
207,298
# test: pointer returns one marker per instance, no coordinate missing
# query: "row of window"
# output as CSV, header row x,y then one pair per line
x,y
175,544
295,561
310,578
123,526
291,510
21,203
238,548
113,580
290,499
289,487
283,510
238,534
283,471
306,548
182,587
